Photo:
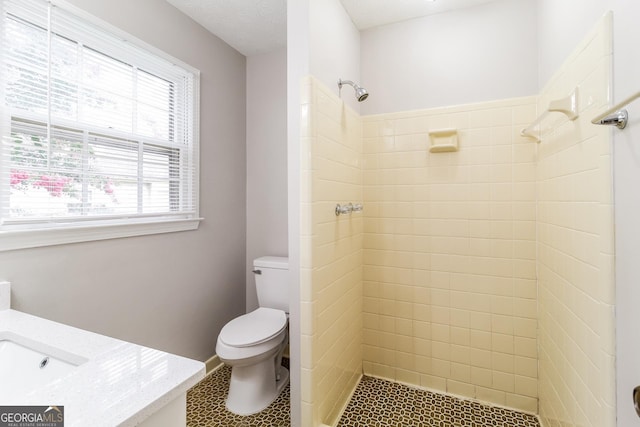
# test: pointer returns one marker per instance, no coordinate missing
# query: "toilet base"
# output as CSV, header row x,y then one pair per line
x,y
282,382
252,388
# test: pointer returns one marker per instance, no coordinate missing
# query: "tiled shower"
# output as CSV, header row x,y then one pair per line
x,y
449,253
485,273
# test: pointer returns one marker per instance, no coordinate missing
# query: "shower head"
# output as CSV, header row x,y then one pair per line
x,y
361,93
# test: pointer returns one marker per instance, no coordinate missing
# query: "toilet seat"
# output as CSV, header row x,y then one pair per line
x,y
253,328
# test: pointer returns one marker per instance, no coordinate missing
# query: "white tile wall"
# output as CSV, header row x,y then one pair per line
x,y
449,252
331,257
575,246
486,273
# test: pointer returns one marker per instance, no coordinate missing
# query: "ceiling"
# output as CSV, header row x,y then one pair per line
x,y
258,26
249,26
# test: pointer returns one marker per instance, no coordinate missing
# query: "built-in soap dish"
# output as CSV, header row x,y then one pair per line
x,y
443,140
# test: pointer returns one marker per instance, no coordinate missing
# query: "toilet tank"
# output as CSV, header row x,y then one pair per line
x,y
272,282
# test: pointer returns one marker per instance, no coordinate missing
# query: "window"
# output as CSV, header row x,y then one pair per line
x,y
97,130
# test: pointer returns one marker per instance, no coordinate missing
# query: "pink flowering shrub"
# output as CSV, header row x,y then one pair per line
x,y
53,184
18,177
56,185
108,188
66,156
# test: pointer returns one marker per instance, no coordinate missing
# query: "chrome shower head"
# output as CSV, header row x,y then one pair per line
x,y
361,93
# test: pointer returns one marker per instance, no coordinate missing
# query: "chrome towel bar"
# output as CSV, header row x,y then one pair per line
x,y
614,116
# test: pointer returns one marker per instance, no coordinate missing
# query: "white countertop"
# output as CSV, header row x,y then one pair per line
x,y
121,384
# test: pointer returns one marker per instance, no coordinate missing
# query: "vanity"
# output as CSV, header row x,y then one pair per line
x,y
100,381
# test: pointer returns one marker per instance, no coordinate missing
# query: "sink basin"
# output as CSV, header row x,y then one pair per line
x,y
26,365
100,381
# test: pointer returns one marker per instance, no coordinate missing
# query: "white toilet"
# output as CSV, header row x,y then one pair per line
x,y
252,344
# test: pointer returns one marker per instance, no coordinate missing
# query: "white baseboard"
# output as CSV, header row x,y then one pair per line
x,y
213,363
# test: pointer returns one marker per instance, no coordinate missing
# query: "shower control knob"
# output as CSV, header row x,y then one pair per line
x,y
343,209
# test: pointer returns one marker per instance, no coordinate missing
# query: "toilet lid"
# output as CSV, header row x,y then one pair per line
x,y
253,328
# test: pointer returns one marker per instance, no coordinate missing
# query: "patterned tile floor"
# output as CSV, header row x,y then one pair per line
x,y
379,403
375,403
205,405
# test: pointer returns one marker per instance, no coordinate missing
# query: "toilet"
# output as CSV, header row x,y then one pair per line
x,y
253,343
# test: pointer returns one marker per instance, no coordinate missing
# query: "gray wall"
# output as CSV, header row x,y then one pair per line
x,y
562,24
266,161
477,54
173,291
334,48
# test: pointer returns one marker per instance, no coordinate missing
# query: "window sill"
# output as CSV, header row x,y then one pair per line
x,y
23,239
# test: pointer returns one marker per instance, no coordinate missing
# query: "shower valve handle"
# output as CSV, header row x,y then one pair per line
x,y
344,209
348,208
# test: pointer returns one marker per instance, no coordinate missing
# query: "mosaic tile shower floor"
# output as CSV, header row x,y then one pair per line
x,y
379,403
375,403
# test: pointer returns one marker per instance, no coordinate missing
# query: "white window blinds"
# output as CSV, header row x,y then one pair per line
x,y
94,127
